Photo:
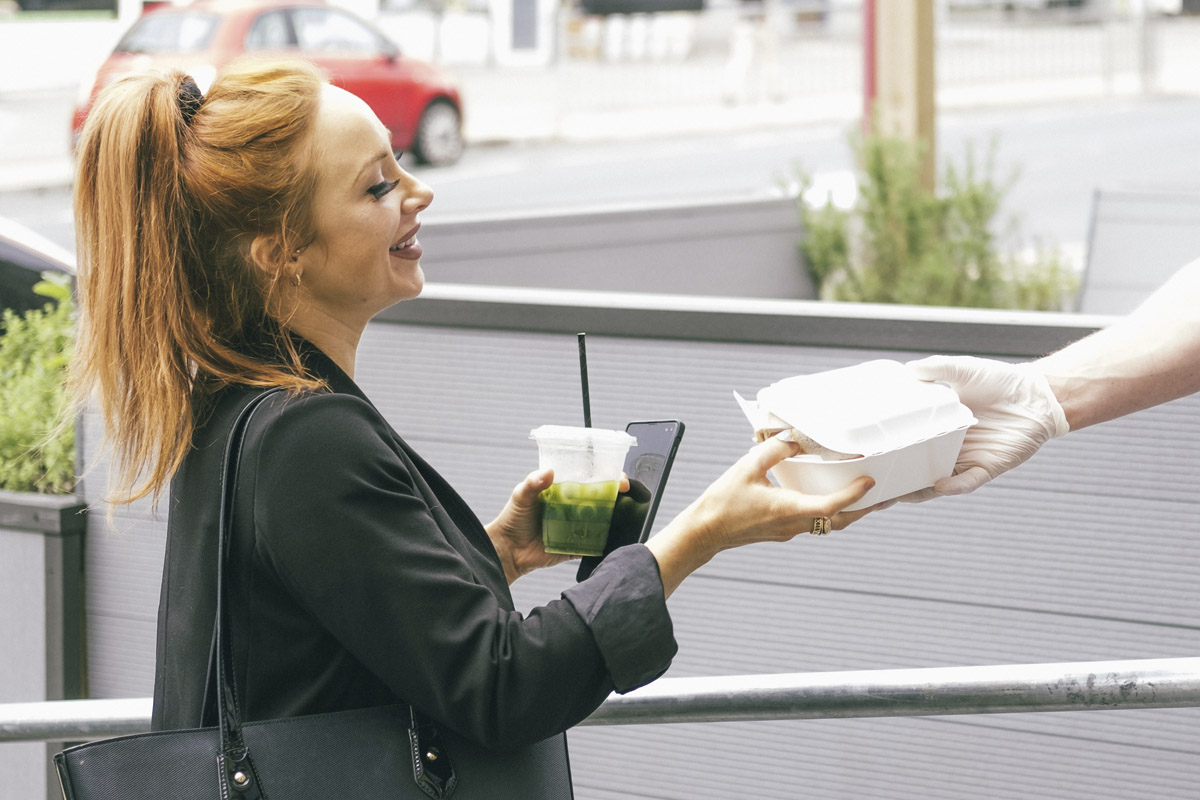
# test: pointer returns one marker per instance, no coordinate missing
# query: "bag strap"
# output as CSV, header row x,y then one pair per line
x,y
433,769
235,769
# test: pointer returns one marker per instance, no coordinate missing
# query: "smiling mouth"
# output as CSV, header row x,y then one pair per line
x,y
407,243
408,249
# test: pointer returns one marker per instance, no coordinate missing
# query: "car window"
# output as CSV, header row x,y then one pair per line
x,y
269,32
327,30
169,33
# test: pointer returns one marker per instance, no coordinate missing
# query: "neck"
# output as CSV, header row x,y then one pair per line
x,y
334,337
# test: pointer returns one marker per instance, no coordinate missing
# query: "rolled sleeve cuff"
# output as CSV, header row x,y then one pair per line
x,y
624,606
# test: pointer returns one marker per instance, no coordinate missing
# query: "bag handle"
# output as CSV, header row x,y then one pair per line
x,y
236,772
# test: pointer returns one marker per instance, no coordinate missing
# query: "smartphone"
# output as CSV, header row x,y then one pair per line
x,y
649,461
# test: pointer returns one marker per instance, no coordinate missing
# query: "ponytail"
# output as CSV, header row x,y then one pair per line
x,y
171,189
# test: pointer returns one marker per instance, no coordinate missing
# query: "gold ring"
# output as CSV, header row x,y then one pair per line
x,y
821,526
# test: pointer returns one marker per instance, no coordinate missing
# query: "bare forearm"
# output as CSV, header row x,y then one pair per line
x,y
678,552
1149,357
742,507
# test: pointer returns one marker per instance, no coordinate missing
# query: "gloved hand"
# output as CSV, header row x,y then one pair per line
x,y
1017,413
628,516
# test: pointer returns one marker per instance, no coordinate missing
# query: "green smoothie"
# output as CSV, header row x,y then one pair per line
x,y
575,517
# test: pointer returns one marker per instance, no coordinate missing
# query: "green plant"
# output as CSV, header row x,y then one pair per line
x,y
37,440
903,243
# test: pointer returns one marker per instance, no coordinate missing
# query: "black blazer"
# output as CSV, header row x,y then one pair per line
x,y
358,577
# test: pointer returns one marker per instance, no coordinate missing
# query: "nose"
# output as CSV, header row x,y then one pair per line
x,y
417,196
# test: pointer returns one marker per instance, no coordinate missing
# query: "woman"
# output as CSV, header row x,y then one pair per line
x,y
243,240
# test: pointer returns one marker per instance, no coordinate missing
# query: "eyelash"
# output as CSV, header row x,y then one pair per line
x,y
379,190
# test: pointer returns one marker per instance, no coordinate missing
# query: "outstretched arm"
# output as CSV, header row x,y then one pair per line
x,y
1149,357
742,507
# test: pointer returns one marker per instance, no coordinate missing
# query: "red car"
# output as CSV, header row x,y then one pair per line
x,y
420,105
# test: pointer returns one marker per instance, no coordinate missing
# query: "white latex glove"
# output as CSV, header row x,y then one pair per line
x,y
1017,413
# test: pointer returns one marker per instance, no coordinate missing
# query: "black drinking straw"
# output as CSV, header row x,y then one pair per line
x,y
587,403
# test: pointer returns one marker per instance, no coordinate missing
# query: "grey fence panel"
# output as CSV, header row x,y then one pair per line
x,y
1138,239
124,567
883,759
624,249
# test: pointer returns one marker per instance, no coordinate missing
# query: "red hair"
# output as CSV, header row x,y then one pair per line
x,y
168,200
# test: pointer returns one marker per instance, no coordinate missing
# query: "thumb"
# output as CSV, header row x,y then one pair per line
x,y
948,369
921,495
966,481
526,492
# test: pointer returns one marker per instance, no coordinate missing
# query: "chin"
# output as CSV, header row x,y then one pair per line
x,y
411,287
417,284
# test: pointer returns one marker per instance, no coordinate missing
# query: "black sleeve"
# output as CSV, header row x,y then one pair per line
x,y
346,530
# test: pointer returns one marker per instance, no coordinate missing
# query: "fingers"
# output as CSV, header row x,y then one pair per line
x,y
767,454
809,508
847,495
844,519
833,518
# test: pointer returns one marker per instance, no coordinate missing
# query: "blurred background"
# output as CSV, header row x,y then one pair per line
x,y
640,102
705,147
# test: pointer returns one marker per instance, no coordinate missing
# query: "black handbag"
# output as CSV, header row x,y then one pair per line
x,y
365,754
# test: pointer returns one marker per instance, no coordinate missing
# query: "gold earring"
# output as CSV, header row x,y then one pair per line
x,y
294,279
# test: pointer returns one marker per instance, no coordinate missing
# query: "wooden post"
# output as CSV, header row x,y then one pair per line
x,y
905,103
870,89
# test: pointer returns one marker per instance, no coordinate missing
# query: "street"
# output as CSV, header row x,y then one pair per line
x,y
1061,155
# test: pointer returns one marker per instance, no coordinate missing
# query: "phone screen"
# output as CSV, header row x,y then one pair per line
x,y
649,461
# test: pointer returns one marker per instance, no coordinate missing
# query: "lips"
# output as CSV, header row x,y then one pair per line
x,y
409,248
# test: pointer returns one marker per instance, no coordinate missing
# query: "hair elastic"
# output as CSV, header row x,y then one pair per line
x,y
190,99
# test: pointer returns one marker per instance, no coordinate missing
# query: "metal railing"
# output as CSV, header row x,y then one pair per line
x,y
1073,686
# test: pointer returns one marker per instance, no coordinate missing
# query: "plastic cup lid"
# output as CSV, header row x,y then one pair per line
x,y
583,437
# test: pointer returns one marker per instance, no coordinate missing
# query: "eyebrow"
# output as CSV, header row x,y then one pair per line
x,y
382,154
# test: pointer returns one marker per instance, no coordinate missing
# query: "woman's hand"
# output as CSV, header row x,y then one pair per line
x,y
517,532
742,507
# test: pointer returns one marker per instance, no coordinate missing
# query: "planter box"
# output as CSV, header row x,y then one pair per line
x,y
42,626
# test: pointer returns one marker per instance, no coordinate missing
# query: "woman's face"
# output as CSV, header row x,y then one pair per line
x,y
365,256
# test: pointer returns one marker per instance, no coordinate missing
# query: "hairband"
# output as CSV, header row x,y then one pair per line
x,y
190,99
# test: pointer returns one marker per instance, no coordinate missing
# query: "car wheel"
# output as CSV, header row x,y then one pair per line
x,y
439,139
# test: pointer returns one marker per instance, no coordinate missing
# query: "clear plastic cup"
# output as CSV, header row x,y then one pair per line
x,y
577,508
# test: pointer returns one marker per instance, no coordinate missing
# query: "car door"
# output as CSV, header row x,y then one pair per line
x,y
359,59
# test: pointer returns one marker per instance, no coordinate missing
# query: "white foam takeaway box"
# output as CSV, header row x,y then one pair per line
x,y
903,432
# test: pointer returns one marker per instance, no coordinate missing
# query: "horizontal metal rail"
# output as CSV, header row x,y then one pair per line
x,y
1076,686
1009,688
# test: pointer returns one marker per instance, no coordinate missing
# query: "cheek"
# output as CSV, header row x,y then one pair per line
x,y
383,225
361,236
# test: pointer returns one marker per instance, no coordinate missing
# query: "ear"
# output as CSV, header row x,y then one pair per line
x,y
266,253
